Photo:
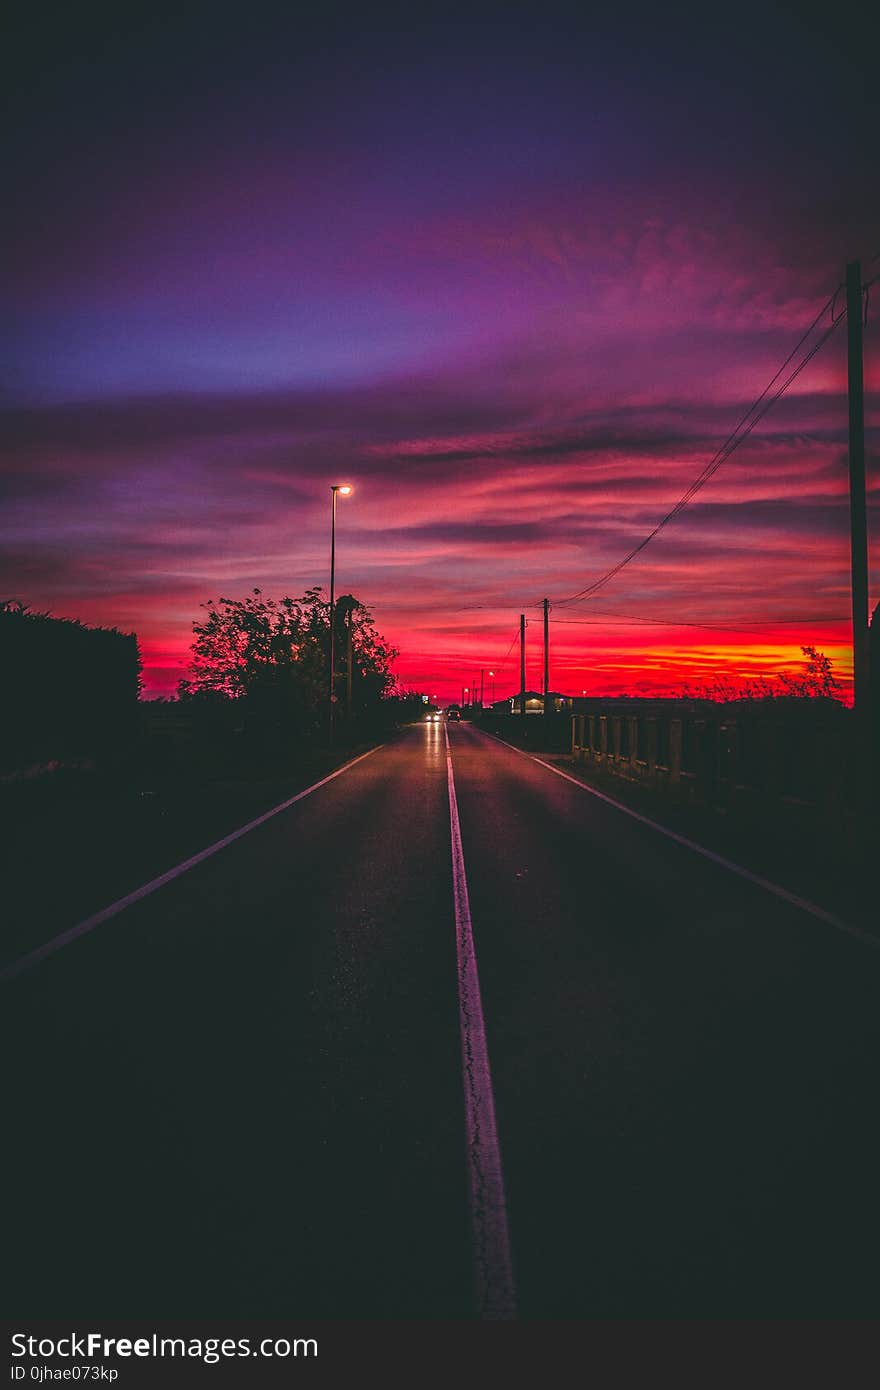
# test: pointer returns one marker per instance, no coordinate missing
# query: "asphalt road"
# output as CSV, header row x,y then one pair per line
x,y
244,1095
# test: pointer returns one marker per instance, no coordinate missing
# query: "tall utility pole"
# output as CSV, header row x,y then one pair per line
x,y
345,490
482,685
857,508
332,711
522,663
546,656
349,662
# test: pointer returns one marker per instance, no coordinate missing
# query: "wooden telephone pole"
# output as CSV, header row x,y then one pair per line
x,y
522,663
546,656
857,505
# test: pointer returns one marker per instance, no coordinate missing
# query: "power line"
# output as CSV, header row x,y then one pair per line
x,y
502,664
753,416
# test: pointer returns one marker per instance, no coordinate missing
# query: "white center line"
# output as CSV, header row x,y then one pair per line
x,y
766,884
493,1273
73,933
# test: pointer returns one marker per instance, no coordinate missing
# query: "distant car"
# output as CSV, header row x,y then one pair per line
x,y
453,714
431,715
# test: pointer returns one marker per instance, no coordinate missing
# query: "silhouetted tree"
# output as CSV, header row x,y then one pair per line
x,y
371,656
274,654
816,682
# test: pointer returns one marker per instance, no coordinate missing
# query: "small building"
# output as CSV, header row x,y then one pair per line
x,y
559,704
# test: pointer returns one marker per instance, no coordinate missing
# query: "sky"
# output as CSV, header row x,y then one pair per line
x,y
513,272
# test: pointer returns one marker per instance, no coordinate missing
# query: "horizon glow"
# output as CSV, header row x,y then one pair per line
x,y
506,282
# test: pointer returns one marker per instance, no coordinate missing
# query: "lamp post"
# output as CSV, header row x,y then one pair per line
x,y
492,678
345,489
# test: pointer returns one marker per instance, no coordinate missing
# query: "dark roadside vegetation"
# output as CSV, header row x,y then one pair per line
x,y
782,785
101,791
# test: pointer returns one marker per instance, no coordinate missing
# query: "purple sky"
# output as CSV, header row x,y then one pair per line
x,y
515,273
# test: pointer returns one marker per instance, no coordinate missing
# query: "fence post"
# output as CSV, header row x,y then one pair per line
x,y
709,745
675,753
577,736
651,748
727,758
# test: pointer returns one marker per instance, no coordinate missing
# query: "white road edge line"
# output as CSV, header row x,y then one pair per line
x,y
767,884
18,967
493,1270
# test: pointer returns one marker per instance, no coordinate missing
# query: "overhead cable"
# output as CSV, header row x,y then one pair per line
x,y
744,428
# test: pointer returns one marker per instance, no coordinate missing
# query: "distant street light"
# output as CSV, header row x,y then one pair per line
x,y
492,677
345,489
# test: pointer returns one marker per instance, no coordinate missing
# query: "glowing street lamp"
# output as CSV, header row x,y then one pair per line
x,y
345,489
